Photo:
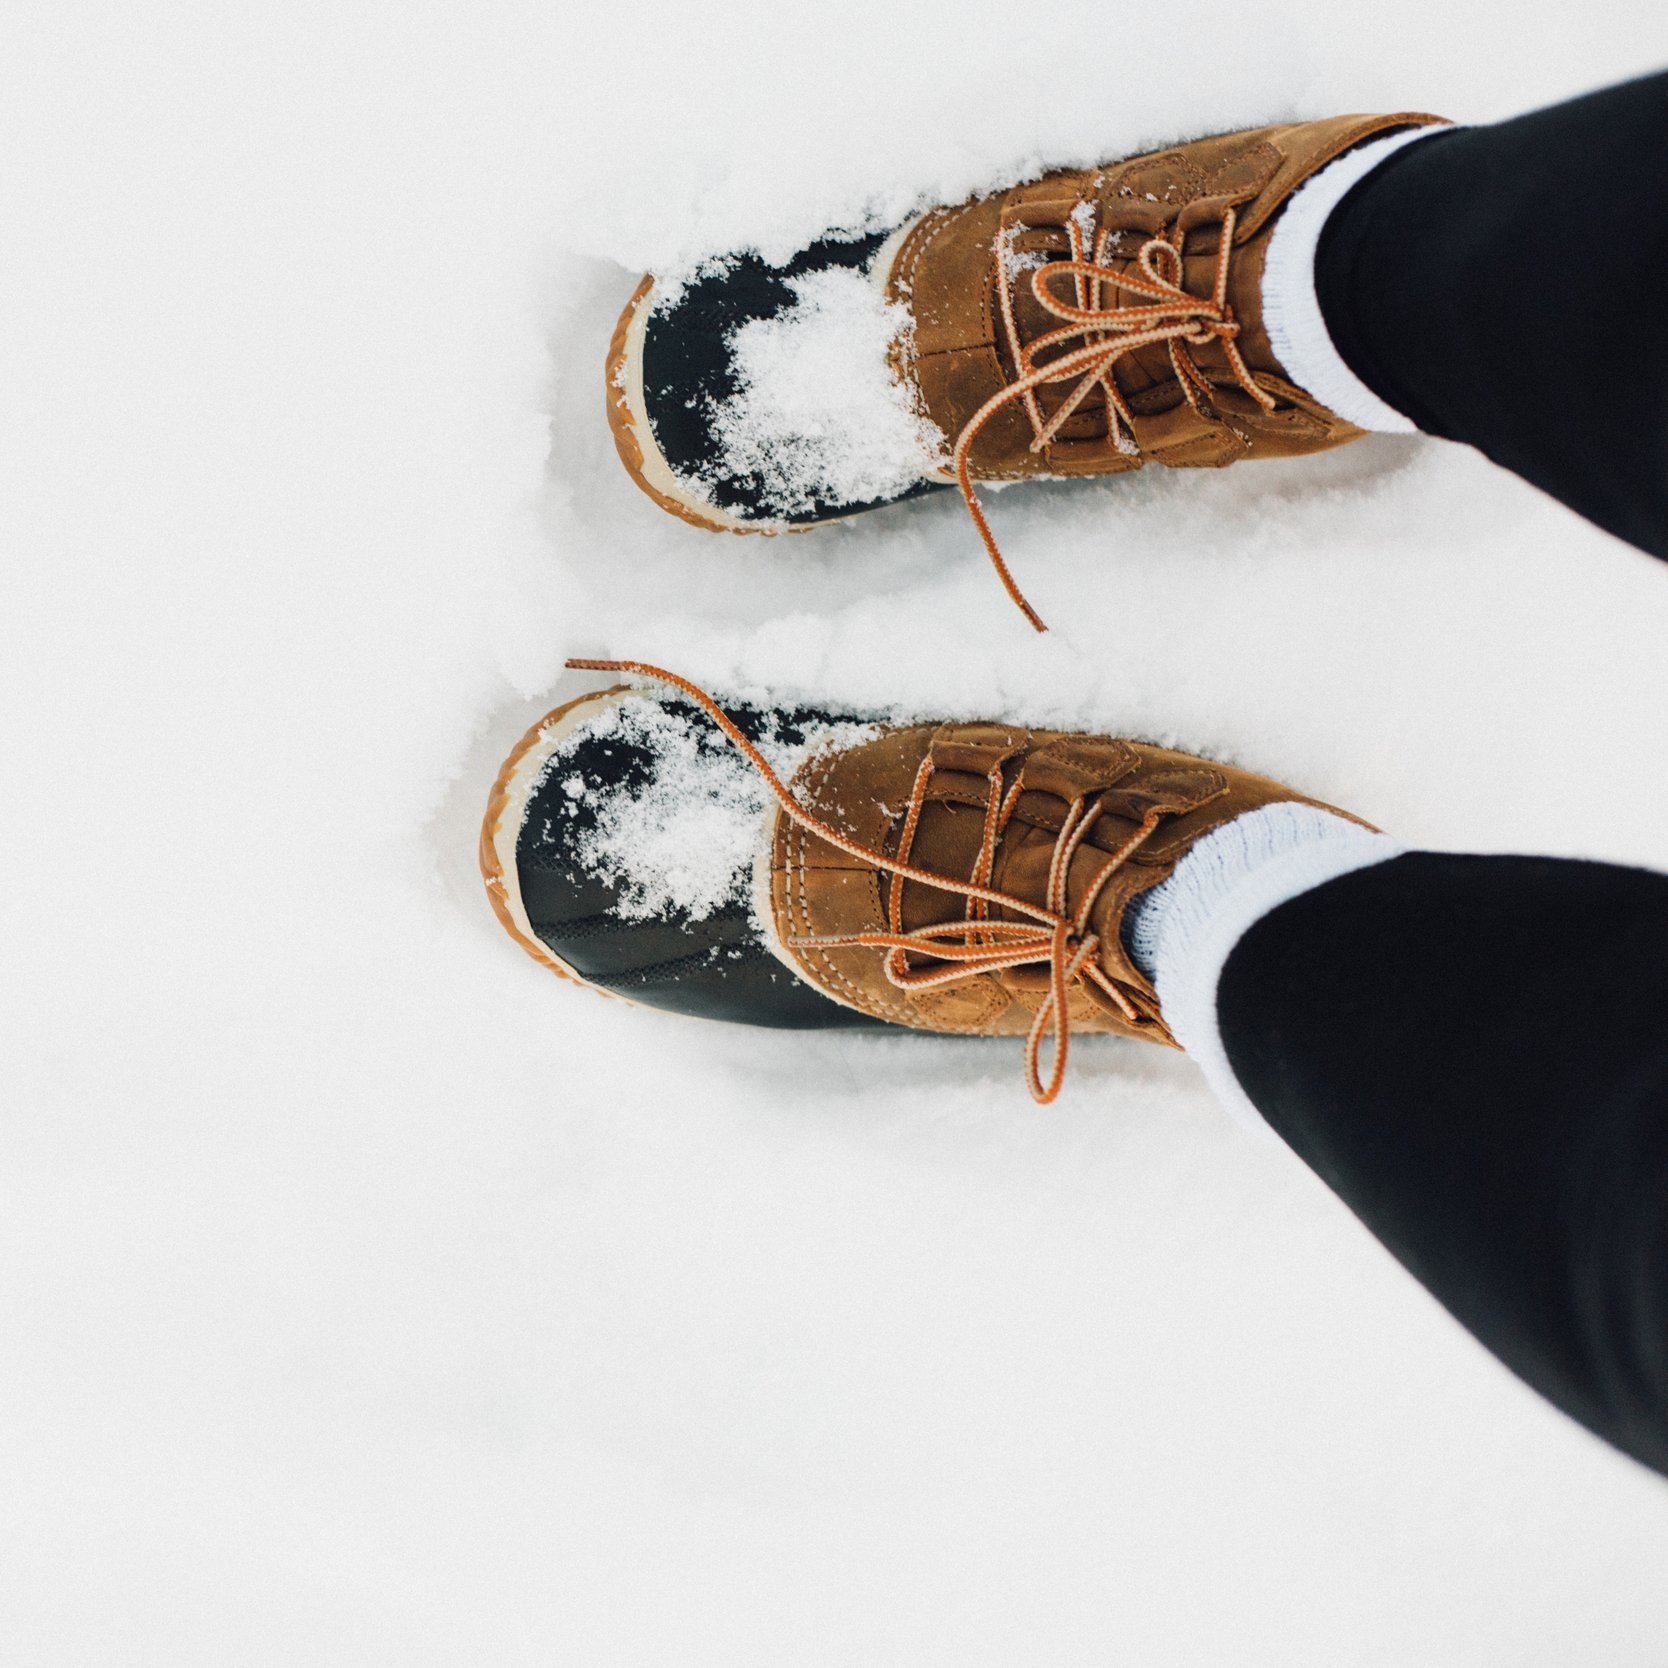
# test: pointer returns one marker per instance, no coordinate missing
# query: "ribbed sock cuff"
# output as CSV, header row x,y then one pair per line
x,y
1184,930
1291,307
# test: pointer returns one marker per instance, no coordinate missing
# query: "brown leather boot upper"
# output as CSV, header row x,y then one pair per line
x,y
1006,860
1116,283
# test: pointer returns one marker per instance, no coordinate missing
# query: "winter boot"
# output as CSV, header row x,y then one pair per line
x,y
790,867
1086,323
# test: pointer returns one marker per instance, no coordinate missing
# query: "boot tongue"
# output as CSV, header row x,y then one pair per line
x,y
1120,784
1144,369
1126,786
1023,867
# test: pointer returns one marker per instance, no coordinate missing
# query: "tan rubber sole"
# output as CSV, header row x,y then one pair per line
x,y
628,422
505,811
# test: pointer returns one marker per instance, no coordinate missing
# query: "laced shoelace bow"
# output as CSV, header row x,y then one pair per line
x,y
1104,335
1053,935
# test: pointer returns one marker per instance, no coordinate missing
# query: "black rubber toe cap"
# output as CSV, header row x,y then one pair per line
x,y
717,967
688,372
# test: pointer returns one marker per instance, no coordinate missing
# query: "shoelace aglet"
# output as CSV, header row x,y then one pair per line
x,y
1016,596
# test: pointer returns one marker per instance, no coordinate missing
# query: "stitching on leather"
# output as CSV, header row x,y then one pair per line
x,y
993,1000
943,218
1094,759
797,868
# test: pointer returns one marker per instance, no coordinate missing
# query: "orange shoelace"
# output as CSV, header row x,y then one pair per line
x,y
1053,934
1174,316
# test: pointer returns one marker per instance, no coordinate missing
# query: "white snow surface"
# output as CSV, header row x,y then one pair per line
x,y
818,414
371,1296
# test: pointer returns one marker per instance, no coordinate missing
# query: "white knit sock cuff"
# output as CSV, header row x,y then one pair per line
x,y
1291,309
1219,891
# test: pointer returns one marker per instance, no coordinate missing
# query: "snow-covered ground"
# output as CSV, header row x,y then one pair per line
x,y
369,1297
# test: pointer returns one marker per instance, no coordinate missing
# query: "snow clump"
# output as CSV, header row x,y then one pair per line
x,y
819,416
682,841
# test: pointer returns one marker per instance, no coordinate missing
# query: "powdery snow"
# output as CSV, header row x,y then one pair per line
x,y
372,1296
818,415
685,839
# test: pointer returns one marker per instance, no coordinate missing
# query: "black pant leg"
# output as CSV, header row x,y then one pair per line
x,y
1473,1053
1503,286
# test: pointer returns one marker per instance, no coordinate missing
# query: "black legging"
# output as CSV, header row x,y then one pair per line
x,y
1504,286
1473,1053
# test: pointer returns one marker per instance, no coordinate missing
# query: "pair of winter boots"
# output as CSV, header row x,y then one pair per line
x,y
782,866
